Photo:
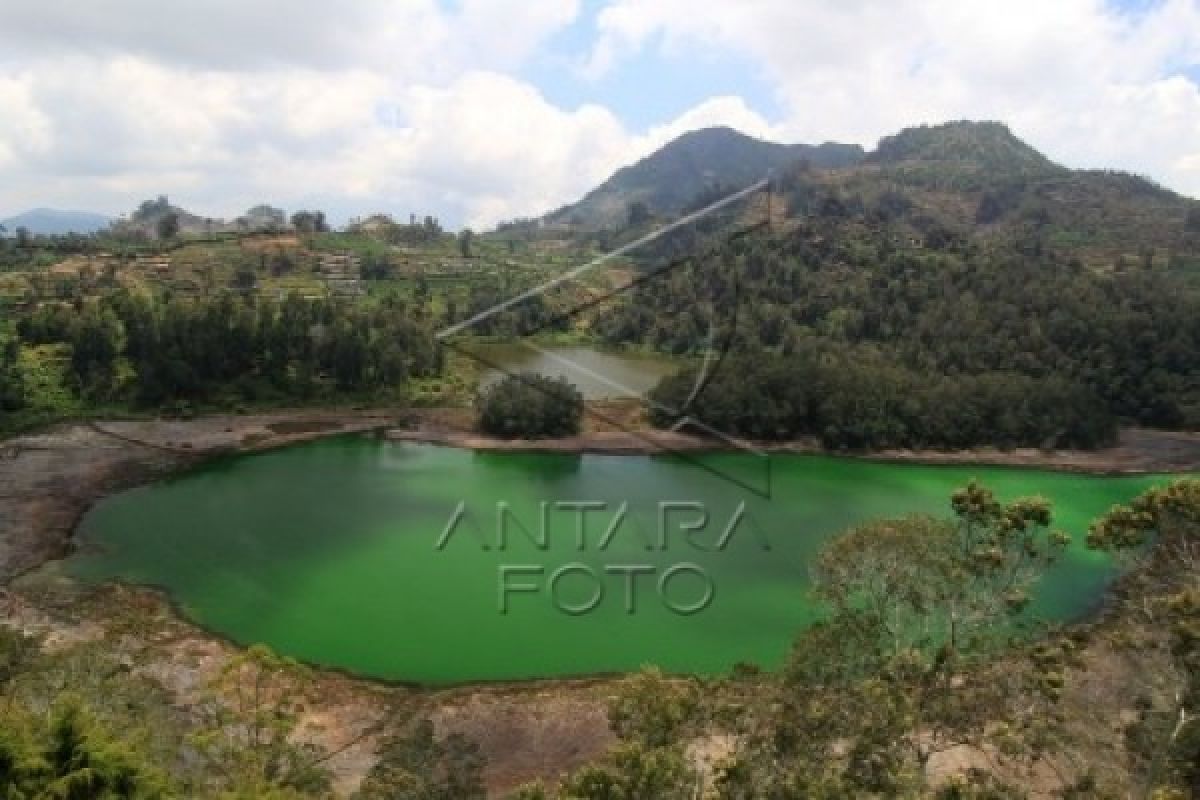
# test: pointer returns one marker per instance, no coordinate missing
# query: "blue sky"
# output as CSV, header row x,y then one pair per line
x,y
680,80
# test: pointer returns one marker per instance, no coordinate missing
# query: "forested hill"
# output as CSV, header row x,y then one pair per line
x,y
667,180
953,288
978,180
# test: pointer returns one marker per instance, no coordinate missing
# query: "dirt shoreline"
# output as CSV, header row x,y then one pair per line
x,y
1138,451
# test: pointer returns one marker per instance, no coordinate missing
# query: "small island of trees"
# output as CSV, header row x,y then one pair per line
x,y
530,406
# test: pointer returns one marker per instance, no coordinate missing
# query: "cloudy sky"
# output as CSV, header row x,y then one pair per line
x,y
483,110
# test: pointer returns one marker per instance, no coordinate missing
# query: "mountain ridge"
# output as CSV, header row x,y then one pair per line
x,y
688,166
55,222
968,180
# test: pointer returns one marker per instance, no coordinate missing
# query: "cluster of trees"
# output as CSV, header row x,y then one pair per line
x,y
23,250
530,406
155,351
852,398
949,308
310,222
531,315
903,666
1160,532
417,231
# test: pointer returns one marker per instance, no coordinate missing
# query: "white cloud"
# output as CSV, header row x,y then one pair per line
x,y
224,104
730,111
419,39
1087,84
483,148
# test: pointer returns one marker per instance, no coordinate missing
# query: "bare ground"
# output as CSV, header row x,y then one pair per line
x,y
615,429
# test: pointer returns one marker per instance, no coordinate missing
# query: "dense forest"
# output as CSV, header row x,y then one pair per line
x,y
954,314
853,398
153,351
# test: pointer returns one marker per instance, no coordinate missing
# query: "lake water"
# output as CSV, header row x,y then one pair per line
x,y
598,374
385,558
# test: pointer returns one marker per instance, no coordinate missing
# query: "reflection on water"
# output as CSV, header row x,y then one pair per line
x,y
598,374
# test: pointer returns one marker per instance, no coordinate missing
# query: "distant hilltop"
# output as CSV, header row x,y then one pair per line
x,y
148,219
53,222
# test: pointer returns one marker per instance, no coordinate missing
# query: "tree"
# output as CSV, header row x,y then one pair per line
x,y
95,347
71,756
303,222
12,379
530,406
309,222
1161,529
653,710
632,771
249,712
899,670
416,765
167,226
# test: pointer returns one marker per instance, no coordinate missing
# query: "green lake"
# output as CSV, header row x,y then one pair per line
x,y
383,558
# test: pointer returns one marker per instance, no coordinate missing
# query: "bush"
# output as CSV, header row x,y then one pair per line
x,y
530,407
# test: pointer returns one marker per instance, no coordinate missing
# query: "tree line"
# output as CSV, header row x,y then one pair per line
x,y
153,351
853,398
946,311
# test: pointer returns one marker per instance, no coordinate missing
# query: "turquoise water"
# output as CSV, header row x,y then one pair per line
x,y
337,553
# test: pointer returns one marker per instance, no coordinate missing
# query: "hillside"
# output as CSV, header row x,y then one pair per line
x,y
950,260
52,222
672,177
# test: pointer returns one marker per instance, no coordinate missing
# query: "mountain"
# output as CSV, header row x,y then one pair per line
x,y
952,252
52,222
990,145
675,175
978,181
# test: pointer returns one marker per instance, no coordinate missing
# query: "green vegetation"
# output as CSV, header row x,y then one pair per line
x,y
149,352
851,398
666,182
530,406
952,316
414,764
